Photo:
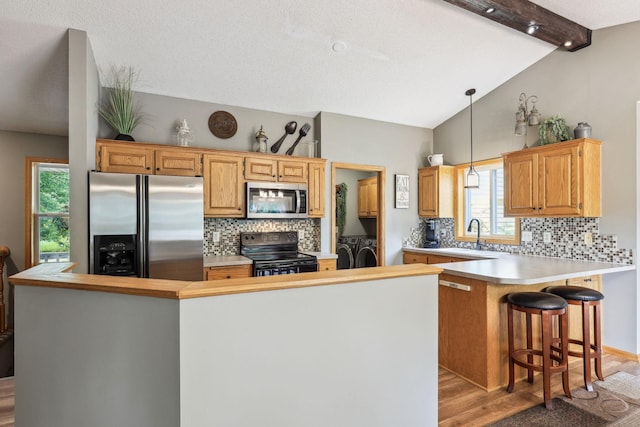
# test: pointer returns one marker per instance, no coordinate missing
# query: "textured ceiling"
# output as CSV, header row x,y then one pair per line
x,y
401,61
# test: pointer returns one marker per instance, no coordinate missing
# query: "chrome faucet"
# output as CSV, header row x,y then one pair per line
x,y
478,246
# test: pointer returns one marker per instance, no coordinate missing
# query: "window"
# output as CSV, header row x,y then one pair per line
x,y
486,204
47,227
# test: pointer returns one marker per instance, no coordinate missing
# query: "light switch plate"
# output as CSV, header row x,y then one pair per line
x,y
527,236
588,238
301,235
546,237
216,237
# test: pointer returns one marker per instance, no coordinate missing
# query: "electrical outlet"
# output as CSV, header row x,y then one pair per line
x,y
588,238
301,235
526,236
546,237
216,237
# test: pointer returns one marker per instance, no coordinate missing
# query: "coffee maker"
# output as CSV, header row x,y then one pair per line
x,y
432,234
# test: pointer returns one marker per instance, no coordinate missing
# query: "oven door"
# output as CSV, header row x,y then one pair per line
x,y
277,269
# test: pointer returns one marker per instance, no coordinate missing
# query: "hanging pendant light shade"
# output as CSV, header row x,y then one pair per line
x,y
472,178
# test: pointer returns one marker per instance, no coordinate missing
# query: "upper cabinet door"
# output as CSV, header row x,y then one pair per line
x,y
521,184
223,186
177,162
435,192
260,169
125,159
292,171
559,182
316,190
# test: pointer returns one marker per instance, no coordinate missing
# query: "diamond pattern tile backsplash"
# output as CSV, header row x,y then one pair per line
x,y
566,237
230,230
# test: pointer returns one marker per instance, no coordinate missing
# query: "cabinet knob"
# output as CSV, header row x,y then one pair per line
x,y
228,276
148,167
157,169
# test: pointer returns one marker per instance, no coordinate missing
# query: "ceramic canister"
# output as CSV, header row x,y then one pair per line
x,y
583,130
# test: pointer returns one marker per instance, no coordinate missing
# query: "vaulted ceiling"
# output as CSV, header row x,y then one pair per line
x,y
401,61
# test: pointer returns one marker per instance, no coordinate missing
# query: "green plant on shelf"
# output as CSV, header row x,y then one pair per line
x,y
554,129
119,110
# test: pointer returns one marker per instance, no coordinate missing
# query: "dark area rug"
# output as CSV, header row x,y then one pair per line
x,y
613,402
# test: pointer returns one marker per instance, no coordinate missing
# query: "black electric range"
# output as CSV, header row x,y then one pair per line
x,y
275,253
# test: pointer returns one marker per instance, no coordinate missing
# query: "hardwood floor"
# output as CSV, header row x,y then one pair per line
x,y
461,403
7,402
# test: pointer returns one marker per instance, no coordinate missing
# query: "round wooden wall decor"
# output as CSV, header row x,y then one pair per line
x,y
222,124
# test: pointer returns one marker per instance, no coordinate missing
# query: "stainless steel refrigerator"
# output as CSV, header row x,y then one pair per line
x,y
146,225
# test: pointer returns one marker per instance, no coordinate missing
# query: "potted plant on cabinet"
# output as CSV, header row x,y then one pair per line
x,y
119,110
554,129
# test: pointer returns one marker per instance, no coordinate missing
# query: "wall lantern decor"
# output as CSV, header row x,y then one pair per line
x,y
524,117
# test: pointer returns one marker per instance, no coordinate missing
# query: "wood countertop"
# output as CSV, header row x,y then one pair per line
x,y
58,275
511,269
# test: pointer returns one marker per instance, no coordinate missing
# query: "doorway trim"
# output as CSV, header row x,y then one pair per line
x,y
380,221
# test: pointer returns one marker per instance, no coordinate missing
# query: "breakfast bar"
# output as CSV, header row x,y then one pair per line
x,y
356,348
472,324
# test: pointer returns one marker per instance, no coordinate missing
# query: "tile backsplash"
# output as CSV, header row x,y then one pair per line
x,y
231,228
566,237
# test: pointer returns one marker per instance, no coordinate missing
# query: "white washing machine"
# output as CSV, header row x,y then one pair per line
x,y
347,250
367,253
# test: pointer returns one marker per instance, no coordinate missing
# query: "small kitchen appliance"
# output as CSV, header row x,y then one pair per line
x,y
432,234
276,253
276,200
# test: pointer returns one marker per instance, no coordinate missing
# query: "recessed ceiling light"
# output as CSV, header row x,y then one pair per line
x,y
339,46
490,10
568,43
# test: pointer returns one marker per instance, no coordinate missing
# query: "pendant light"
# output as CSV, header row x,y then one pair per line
x,y
472,179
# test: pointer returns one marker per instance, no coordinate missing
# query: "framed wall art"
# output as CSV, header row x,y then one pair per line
x,y
402,191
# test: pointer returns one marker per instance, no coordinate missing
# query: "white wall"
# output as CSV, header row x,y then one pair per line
x,y
162,114
600,85
96,359
15,147
83,128
400,149
353,355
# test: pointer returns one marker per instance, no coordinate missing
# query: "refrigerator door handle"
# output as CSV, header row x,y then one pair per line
x,y
142,189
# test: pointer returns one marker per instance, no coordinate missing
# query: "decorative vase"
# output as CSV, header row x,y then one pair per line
x,y
124,137
583,130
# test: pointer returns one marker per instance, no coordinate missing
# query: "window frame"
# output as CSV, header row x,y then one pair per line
x,y
460,204
30,247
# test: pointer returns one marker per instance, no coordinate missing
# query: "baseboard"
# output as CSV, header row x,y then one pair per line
x,y
620,353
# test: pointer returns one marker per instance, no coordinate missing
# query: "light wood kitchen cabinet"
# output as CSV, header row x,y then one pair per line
x,y
315,197
223,185
557,180
472,318
227,272
124,158
177,162
424,258
326,264
435,192
143,158
368,197
258,168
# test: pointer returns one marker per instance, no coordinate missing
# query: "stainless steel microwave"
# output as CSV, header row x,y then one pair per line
x,y
276,200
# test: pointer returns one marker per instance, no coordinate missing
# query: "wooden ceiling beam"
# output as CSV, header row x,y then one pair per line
x,y
521,14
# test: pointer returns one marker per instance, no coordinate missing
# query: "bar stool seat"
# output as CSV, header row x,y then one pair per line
x,y
554,359
586,298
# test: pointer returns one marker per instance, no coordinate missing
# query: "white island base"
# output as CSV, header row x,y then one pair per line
x,y
356,354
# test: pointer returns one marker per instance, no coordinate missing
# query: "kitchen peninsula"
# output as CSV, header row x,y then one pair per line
x,y
472,321
356,348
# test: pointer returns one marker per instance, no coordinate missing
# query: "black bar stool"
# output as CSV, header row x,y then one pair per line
x,y
547,306
587,298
